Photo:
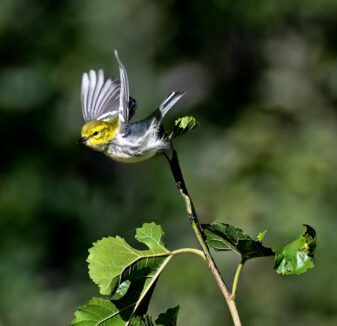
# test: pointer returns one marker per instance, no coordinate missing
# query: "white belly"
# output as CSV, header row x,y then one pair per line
x,y
142,143
131,159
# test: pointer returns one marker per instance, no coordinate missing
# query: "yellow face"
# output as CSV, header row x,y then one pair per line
x,y
97,134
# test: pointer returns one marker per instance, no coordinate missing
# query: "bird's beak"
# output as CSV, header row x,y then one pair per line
x,y
83,139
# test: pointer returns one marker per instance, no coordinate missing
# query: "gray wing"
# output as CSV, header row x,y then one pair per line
x,y
123,110
100,97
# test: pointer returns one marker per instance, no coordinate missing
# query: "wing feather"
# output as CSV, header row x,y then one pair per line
x,y
105,106
98,89
84,95
104,98
123,98
100,99
92,87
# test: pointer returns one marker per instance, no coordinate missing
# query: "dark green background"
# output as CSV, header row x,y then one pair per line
x,y
261,78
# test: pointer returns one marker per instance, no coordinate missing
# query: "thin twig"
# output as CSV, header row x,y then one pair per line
x,y
178,177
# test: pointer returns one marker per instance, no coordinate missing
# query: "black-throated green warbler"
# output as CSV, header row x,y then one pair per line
x,y
107,109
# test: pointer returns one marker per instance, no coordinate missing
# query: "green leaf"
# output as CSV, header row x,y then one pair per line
x,y
113,256
141,321
168,318
259,237
183,125
127,274
98,311
298,256
121,290
224,237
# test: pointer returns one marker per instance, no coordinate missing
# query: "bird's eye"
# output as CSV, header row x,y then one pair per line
x,y
95,133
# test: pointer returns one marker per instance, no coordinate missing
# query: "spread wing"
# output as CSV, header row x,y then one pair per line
x,y
103,99
123,97
100,97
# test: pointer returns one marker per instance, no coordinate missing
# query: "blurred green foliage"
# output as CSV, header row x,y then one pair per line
x,y
261,78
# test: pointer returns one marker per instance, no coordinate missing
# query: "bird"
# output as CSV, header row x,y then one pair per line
x,y
107,110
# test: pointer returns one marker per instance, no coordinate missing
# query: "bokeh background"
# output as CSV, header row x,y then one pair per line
x,y
261,78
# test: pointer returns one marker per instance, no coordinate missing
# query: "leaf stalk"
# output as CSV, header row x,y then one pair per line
x,y
189,250
236,279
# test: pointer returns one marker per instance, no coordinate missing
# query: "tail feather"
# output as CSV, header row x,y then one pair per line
x,y
172,99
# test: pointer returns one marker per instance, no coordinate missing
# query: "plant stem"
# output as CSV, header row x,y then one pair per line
x,y
178,177
236,279
189,250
